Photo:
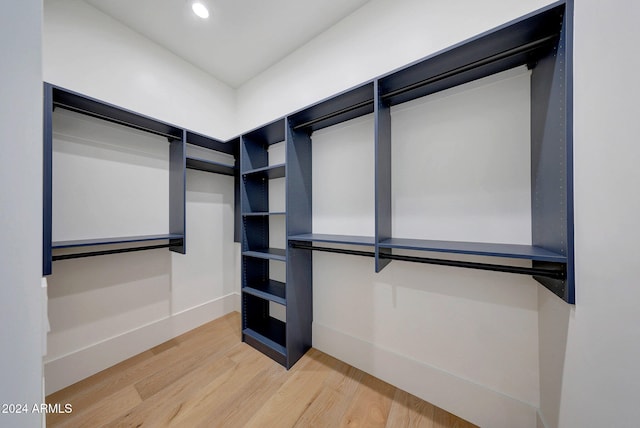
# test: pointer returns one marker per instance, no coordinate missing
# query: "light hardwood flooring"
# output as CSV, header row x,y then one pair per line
x,y
208,378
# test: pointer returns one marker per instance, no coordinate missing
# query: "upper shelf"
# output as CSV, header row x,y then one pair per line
x,y
228,147
272,171
514,251
82,104
334,239
520,42
339,108
117,240
210,166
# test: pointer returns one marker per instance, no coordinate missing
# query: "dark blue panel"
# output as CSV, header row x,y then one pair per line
x,y
253,154
334,239
268,134
177,193
551,158
299,263
271,290
299,304
210,166
237,221
80,103
47,178
271,171
382,177
255,234
339,108
528,252
115,240
211,143
260,330
267,253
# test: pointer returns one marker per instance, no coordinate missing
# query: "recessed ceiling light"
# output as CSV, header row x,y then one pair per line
x,y
200,10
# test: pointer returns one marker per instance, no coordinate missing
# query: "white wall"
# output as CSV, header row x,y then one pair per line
x,y
91,53
21,327
112,181
590,354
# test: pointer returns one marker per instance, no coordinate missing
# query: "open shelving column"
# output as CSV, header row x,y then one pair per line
x,y
270,335
541,41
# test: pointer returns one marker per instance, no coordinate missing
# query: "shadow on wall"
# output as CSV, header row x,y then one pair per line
x,y
554,316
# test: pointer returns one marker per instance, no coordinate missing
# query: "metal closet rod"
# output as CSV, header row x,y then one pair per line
x,y
334,114
555,274
119,122
106,252
482,62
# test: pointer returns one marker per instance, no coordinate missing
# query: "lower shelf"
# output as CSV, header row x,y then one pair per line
x,y
268,338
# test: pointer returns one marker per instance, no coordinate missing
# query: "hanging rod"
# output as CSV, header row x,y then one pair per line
x,y
334,114
106,252
555,274
485,61
111,119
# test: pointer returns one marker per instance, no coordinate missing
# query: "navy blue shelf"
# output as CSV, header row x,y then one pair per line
x,y
267,253
275,350
269,290
263,213
344,106
334,239
272,171
209,166
118,240
73,101
514,251
228,147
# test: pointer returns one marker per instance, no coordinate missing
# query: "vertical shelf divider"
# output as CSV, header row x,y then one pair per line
x,y
551,158
299,262
382,114
47,181
177,192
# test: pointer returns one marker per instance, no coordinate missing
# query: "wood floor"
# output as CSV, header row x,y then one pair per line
x,y
208,378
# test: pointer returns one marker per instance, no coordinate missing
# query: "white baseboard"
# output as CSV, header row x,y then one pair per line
x,y
464,398
75,366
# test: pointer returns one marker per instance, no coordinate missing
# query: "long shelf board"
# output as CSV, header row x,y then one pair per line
x,y
264,213
118,240
528,252
271,171
334,239
210,143
209,166
265,345
271,290
268,253
73,101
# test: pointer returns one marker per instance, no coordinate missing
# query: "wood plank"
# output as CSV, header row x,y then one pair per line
x,y
303,385
409,411
101,412
155,412
370,405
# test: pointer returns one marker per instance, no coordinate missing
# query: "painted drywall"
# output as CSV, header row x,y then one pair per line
x,y
91,53
109,181
589,353
21,295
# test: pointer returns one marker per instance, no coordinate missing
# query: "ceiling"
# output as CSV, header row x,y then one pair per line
x,y
240,39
